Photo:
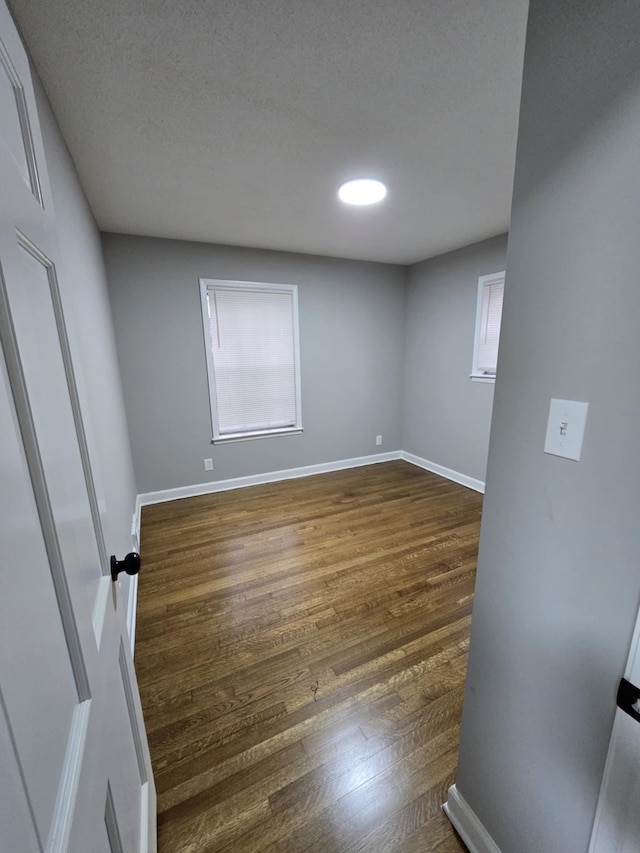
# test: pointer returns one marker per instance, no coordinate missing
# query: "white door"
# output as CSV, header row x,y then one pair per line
x,y
75,771
616,828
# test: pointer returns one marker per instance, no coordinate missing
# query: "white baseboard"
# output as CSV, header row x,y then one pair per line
x,y
447,473
467,824
259,479
132,604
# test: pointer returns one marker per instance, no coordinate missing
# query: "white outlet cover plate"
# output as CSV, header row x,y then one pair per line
x,y
565,428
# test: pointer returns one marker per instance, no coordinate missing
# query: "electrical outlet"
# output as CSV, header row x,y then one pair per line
x,y
208,464
378,440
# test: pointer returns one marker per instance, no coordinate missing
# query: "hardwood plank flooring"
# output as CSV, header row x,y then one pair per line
x,y
301,653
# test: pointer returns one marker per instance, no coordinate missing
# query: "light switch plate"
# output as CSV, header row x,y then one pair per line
x,y
565,428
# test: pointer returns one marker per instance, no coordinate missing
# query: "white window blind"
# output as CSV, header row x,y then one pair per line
x,y
491,291
490,327
253,340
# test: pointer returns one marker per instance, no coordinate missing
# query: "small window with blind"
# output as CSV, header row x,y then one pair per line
x,y
488,317
253,362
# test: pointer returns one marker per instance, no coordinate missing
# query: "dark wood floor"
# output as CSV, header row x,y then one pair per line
x,y
301,653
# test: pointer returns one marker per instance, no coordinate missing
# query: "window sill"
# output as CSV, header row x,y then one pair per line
x,y
481,377
250,436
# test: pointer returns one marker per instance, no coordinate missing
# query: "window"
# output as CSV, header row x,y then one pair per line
x,y
251,336
488,317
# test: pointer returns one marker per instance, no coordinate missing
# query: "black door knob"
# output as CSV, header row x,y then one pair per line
x,y
628,699
130,565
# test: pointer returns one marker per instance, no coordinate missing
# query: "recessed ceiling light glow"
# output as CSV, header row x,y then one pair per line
x,y
362,191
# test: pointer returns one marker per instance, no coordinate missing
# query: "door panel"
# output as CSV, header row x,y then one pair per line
x,y
39,708
36,330
9,107
17,136
130,777
16,828
130,711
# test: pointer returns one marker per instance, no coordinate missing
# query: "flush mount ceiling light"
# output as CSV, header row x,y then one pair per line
x,y
362,191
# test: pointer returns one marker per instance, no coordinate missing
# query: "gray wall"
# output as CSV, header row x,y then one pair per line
x,y
558,582
83,291
446,416
351,316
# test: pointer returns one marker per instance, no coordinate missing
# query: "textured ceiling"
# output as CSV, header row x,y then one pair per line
x,y
234,121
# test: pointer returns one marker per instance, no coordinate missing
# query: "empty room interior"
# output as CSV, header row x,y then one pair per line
x,y
378,454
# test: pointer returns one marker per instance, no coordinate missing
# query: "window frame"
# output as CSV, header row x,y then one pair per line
x,y
207,284
483,281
